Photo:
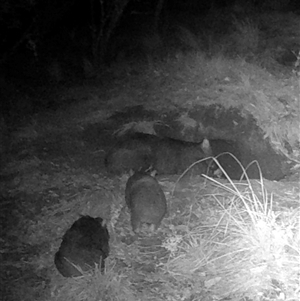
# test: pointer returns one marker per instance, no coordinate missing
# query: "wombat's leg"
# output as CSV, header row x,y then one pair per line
x,y
135,223
152,228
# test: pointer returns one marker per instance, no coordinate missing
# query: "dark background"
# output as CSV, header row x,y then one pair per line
x,y
82,37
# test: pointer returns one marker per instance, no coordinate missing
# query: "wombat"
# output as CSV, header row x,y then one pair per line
x,y
84,244
134,153
145,200
141,152
174,156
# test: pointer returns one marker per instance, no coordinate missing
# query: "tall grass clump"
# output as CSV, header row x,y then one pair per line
x,y
248,246
245,37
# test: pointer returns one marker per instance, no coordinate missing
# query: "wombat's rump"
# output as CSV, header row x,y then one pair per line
x,y
134,154
84,244
145,200
140,152
174,157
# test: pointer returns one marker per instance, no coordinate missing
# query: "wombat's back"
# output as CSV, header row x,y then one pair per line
x,y
85,244
145,200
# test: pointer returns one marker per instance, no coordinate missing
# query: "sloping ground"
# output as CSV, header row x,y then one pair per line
x,y
219,240
52,181
235,103
58,159
228,130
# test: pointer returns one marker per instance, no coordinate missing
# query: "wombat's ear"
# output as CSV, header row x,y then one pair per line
x,y
205,145
153,173
150,171
131,172
104,223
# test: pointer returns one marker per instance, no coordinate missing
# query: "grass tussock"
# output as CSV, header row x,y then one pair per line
x,y
245,37
245,247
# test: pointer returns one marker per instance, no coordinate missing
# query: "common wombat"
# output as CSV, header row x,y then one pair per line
x,y
131,153
145,200
174,156
167,156
84,244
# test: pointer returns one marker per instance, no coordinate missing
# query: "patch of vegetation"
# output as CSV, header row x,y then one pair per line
x,y
221,239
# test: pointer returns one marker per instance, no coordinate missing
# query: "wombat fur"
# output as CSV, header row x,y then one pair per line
x,y
133,154
141,152
145,200
84,244
174,157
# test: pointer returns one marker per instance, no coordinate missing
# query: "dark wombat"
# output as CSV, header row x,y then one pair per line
x,y
145,200
174,156
84,244
167,156
134,153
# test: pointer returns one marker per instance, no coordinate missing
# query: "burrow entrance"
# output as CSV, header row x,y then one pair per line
x,y
228,131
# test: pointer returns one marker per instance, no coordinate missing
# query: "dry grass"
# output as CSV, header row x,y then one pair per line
x,y
94,285
245,37
221,239
194,79
244,247
237,68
